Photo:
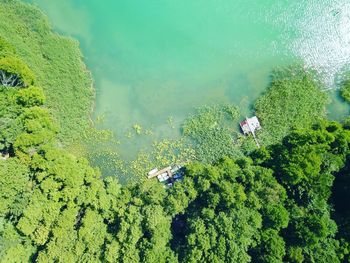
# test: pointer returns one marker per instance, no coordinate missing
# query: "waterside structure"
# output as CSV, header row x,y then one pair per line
x,y
250,126
167,175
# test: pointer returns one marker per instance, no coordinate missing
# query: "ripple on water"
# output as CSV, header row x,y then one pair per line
x,y
322,38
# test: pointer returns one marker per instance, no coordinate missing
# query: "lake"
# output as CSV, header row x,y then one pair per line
x,y
155,61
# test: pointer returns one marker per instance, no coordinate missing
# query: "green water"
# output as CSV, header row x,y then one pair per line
x,y
155,59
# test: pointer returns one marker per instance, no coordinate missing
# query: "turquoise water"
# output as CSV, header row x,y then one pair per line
x,y
155,61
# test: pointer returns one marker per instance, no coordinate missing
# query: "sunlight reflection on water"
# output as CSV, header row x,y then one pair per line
x,y
323,40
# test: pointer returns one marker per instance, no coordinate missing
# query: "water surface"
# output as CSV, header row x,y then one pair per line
x,y
157,60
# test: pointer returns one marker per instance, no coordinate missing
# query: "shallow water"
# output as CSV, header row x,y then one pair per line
x,y
158,59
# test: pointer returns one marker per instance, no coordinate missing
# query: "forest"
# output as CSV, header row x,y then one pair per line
x,y
286,201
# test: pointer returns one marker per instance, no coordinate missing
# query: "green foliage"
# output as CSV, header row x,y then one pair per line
x,y
212,131
345,91
30,97
9,112
15,188
272,248
276,216
55,61
6,49
143,228
223,207
272,208
162,154
341,199
305,165
54,207
295,254
13,246
293,100
310,157
37,128
20,113
137,128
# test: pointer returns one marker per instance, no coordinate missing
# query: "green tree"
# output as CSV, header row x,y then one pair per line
x,y
223,219
271,249
15,188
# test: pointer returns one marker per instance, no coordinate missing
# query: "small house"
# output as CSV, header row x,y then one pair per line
x,y
250,125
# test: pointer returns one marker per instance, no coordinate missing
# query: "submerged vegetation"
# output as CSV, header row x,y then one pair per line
x,y
284,202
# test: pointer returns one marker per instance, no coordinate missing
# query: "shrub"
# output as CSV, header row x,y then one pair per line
x,y
32,96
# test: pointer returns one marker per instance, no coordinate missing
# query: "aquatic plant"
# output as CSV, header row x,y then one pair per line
x,y
149,132
170,121
294,99
161,154
213,132
137,128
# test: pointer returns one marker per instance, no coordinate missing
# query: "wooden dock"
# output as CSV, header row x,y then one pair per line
x,y
165,170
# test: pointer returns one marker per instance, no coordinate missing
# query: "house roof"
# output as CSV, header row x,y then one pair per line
x,y
250,125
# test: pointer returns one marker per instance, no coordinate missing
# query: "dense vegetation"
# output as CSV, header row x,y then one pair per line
x,y
286,202
294,99
345,90
55,61
212,132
